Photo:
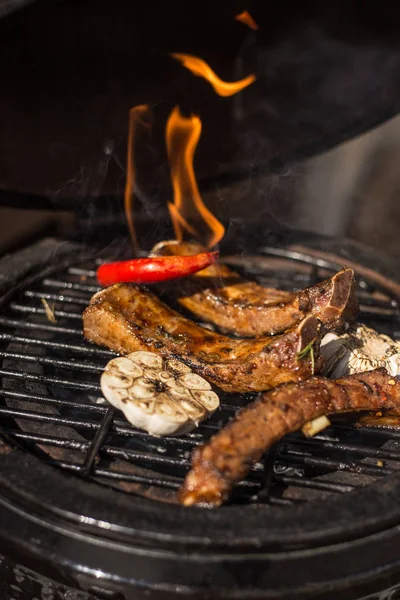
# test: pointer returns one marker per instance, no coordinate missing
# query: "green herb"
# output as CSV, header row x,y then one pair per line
x,y
305,351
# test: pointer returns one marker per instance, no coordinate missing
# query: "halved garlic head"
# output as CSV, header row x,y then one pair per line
x,y
161,397
362,349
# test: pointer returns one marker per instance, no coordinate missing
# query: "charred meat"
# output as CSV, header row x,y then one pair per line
x,y
127,318
227,457
219,295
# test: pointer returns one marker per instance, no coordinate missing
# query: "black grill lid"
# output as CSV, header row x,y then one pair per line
x,y
325,74
78,520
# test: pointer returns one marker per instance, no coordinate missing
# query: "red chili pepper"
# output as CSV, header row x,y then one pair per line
x,y
152,270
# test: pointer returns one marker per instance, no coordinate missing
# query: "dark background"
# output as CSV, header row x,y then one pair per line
x,y
326,73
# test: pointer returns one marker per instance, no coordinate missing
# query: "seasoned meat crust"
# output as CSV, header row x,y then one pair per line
x,y
219,295
127,318
227,457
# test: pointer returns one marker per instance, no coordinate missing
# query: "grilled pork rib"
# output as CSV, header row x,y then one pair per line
x,y
221,296
127,318
227,457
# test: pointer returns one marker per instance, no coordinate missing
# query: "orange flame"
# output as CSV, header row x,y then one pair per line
x,y
137,117
188,211
201,69
246,18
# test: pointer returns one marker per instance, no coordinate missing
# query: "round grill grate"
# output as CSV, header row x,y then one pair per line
x,y
50,397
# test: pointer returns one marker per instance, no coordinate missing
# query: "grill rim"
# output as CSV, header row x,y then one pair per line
x,y
209,529
50,543
161,529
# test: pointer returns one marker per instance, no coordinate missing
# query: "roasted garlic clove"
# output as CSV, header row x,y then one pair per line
x,y
361,349
315,426
161,397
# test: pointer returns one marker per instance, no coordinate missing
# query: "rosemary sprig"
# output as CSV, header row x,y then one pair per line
x,y
309,349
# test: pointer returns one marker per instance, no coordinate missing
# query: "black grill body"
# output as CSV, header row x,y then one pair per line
x,y
89,502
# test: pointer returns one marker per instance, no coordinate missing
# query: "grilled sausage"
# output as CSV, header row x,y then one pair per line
x,y
219,295
228,456
127,318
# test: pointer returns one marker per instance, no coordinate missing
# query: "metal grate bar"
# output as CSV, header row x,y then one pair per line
x,y
143,435
248,485
18,323
162,482
40,311
360,450
92,451
24,396
80,349
301,257
228,407
281,501
46,418
341,428
48,440
135,455
58,381
165,481
84,272
386,432
367,313
61,298
52,362
325,463
120,427
154,459
91,425
367,300
326,486
66,285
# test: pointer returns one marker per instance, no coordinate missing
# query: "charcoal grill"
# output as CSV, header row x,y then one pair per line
x,y
89,501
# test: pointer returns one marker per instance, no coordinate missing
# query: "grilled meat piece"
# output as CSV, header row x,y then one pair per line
x,y
127,318
226,458
221,296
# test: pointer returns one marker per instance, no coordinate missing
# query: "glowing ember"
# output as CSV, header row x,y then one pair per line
x,y
138,116
188,211
201,69
246,18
